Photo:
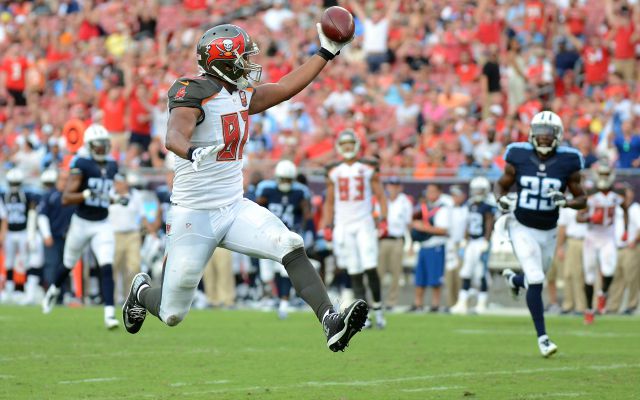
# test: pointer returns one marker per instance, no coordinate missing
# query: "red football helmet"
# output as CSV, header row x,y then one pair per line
x,y
224,51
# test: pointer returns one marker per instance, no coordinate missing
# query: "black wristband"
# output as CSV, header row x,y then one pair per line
x,y
190,153
326,54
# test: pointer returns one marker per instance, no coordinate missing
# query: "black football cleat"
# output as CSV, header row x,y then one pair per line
x,y
133,313
508,276
340,327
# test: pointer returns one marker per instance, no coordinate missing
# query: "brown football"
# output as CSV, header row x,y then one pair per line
x,y
337,24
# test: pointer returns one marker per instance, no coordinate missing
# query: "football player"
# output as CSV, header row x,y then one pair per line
x,y
542,170
600,240
479,228
18,204
207,130
348,217
90,187
289,201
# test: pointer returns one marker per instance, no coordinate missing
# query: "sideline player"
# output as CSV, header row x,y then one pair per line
x,y
542,171
18,204
348,210
600,248
479,229
289,201
89,186
207,130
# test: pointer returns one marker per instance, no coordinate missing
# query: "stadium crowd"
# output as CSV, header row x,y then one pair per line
x,y
437,88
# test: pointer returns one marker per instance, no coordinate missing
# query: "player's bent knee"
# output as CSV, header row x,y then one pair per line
x,y
291,241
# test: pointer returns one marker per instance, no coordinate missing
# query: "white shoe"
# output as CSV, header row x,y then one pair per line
x,y
110,320
481,307
6,295
546,346
381,322
49,300
367,323
460,308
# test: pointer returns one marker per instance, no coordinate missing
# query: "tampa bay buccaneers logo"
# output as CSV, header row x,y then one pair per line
x,y
225,48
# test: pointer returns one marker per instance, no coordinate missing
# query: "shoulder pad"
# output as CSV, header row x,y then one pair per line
x,y
265,185
570,151
371,162
192,91
514,148
331,166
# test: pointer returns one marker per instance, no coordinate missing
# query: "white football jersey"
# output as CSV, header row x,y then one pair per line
x,y
226,120
352,191
602,212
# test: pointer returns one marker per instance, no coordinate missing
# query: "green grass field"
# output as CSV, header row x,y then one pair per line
x,y
253,355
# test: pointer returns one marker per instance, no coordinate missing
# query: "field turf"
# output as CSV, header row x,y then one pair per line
x,y
253,355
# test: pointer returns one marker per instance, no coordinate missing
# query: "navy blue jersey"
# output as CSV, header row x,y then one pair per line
x,y
17,205
164,197
59,216
476,219
535,178
98,177
285,205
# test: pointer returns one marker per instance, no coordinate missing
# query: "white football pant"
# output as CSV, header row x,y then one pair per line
x,y
534,249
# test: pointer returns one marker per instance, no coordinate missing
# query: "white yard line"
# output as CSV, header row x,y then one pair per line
x,y
88,380
554,395
522,332
431,389
375,382
6,376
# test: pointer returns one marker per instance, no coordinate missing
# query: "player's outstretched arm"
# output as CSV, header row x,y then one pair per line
x,y
270,94
579,200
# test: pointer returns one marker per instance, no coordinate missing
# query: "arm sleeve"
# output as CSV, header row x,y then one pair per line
x,y
43,226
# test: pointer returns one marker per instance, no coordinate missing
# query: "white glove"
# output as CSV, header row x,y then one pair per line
x,y
558,198
328,44
506,203
202,153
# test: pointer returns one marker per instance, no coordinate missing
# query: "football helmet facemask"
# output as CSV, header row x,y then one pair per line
x,y
348,144
96,139
285,174
479,188
15,177
224,50
545,132
605,177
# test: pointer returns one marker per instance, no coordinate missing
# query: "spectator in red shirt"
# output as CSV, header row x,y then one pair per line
x,y
595,57
140,116
625,37
14,71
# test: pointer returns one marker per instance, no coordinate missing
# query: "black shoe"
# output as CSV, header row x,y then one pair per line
x,y
340,327
416,309
133,313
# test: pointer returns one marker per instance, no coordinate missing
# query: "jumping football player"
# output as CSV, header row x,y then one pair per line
x,y
542,171
600,248
289,201
207,130
351,185
89,186
479,229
